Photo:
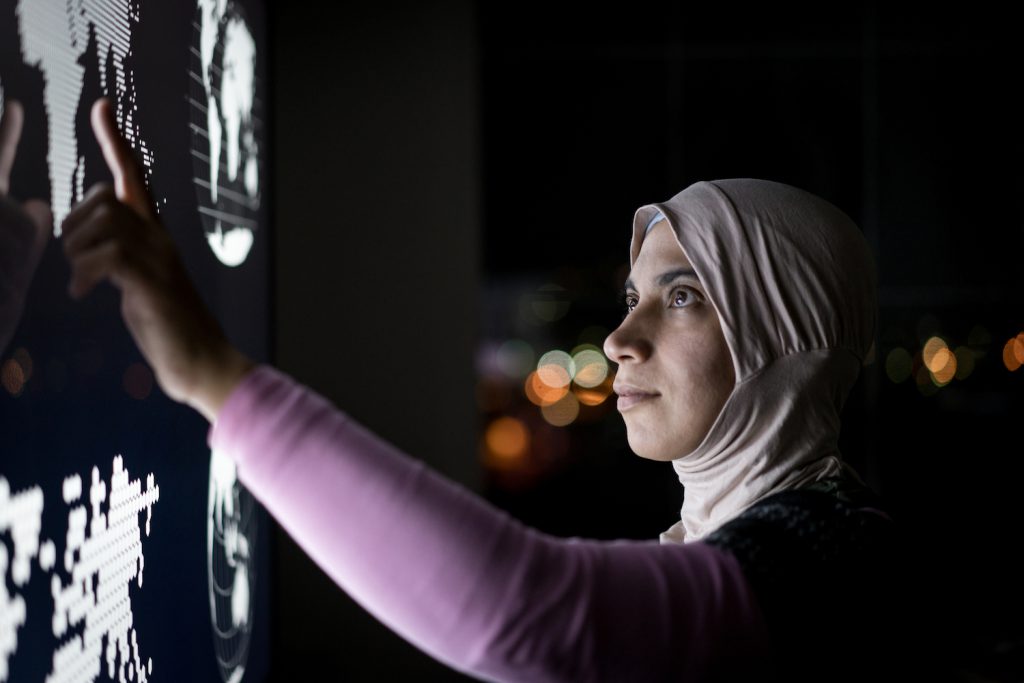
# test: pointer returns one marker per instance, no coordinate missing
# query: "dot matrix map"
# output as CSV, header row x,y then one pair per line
x,y
161,574
20,518
70,41
230,552
226,128
102,557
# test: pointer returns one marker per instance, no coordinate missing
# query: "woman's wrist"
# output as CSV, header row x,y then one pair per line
x,y
217,379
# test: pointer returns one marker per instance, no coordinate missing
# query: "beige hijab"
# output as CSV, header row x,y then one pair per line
x,y
795,287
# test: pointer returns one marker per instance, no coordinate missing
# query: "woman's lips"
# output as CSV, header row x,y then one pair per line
x,y
630,396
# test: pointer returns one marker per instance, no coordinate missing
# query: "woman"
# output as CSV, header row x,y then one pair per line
x,y
751,310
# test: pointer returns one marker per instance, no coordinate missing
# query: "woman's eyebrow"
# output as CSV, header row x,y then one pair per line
x,y
666,277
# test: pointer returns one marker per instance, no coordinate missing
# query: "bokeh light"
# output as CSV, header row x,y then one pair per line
x,y
24,359
514,358
540,392
931,350
898,364
1013,352
561,412
556,368
591,366
507,440
548,304
596,395
964,362
939,360
947,370
13,377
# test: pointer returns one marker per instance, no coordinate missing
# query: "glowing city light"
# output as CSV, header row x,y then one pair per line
x,y
556,368
507,439
563,411
595,396
939,360
540,392
591,367
1013,352
13,377
515,358
898,364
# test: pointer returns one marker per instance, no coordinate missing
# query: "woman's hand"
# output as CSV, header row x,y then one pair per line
x,y
24,230
114,233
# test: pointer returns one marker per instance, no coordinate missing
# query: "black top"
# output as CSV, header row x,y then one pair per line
x,y
826,565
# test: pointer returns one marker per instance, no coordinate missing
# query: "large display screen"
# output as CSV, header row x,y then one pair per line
x,y
129,551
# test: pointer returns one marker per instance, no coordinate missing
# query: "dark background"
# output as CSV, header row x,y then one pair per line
x,y
434,165
432,157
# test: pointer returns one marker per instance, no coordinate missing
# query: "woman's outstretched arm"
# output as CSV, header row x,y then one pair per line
x,y
456,577
464,581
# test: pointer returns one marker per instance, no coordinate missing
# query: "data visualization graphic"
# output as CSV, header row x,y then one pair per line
x,y
230,552
226,128
20,518
102,558
82,48
127,552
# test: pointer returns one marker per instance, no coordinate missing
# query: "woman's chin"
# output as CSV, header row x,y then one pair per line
x,y
649,450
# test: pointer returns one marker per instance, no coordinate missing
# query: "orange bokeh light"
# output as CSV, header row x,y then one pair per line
x,y
933,355
507,440
563,412
1010,354
946,363
541,393
13,377
596,395
555,376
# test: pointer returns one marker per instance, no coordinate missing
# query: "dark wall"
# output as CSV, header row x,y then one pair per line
x,y
902,116
522,137
377,222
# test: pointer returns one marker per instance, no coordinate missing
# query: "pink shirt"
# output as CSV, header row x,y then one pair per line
x,y
466,582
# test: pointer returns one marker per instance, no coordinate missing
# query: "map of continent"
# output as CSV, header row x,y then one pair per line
x,y
227,129
92,618
75,43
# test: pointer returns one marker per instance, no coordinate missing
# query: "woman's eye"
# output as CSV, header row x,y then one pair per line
x,y
630,303
684,294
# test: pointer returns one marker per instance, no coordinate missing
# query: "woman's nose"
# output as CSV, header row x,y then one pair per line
x,y
627,342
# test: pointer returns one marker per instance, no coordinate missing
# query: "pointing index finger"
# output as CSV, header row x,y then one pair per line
x,y
128,179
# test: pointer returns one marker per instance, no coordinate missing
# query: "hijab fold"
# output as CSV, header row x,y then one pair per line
x,y
795,287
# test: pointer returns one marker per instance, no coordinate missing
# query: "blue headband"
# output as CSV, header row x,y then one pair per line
x,y
659,216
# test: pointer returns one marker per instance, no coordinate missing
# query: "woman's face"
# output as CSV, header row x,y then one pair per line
x,y
675,371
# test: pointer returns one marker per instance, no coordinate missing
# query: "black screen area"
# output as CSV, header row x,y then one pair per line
x,y
129,551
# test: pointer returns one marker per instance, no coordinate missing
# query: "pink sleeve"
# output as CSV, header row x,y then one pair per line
x,y
464,581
